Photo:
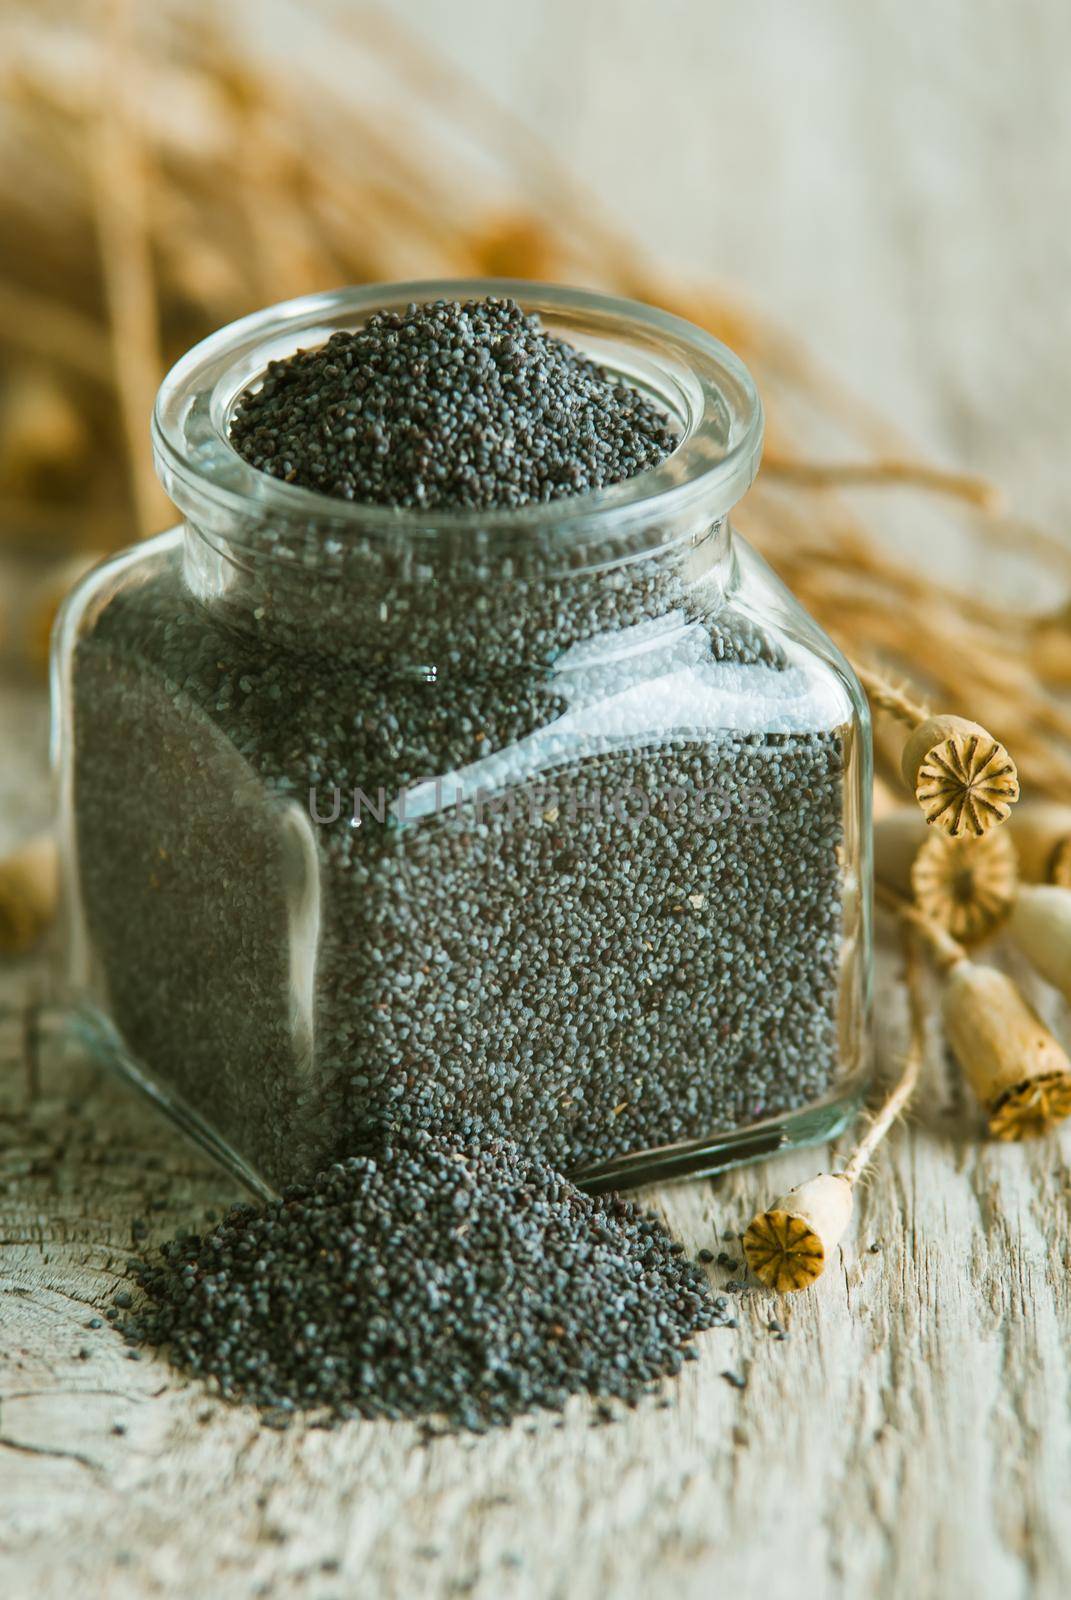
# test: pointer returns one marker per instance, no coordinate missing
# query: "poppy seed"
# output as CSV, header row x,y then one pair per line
x,y
361,1292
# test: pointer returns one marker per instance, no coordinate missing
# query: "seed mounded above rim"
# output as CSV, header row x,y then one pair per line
x,y
451,405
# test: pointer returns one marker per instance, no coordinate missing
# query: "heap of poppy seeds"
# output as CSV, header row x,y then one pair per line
x,y
434,1276
448,406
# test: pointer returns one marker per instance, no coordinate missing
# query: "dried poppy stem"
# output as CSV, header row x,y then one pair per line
x,y
1020,1073
121,205
53,331
968,886
897,1099
789,1245
29,886
887,697
1050,649
915,474
1040,927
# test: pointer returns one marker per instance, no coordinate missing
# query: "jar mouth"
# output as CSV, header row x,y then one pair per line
x,y
705,389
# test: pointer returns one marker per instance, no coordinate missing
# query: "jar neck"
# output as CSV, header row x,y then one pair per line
x,y
453,586
404,611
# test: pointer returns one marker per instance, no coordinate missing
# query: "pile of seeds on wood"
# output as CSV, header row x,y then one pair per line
x,y
463,406
433,1276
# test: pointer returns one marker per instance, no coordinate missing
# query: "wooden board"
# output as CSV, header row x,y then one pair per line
x,y
910,1436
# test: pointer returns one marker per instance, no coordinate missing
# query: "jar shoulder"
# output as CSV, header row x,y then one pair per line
x,y
741,658
139,579
757,593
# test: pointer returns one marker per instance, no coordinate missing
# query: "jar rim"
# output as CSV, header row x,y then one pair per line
x,y
708,472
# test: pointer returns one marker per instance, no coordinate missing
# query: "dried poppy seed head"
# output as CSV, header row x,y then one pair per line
x,y
963,779
1032,1109
966,885
1019,1071
788,1246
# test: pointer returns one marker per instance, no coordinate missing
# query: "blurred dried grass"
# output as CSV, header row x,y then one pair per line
x,y
162,174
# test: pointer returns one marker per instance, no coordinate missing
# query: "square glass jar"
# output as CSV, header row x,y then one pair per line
x,y
554,819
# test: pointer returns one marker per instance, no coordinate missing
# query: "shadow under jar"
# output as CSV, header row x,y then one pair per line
x,y
552,818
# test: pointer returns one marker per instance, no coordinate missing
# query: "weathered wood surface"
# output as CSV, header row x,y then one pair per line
x,y
910,1436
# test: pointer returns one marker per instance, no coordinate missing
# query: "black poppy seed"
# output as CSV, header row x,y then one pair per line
x,y
735,1380
428,427
123,1299
94,1322
357,1293
706,1257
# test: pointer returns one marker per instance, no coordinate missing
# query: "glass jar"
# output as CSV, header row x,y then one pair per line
x,y
555,819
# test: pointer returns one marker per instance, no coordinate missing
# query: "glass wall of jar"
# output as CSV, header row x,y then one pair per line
x,y
554,819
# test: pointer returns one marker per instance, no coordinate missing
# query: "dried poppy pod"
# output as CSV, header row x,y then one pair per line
x,y
29,885
788,1246
1040,927
1041,831
1019,1071
967,886
963,779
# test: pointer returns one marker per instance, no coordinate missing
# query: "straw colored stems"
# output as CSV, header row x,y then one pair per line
x,y
29,884
914,474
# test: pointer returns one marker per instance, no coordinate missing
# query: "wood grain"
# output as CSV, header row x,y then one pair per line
x,y
910,1436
